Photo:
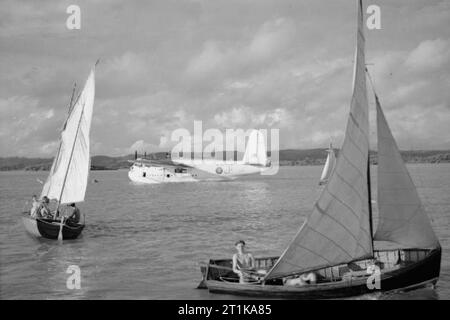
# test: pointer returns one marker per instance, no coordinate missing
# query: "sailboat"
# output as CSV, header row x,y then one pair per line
x,y
329,166
336,242
68,177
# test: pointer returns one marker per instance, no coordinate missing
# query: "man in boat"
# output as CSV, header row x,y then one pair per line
x,y
35,204
73,214
301,280
44,209
244,264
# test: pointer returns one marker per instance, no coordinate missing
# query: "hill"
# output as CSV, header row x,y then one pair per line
x,y
290,157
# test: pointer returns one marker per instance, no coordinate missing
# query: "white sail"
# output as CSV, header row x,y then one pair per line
x,y
338,229
402,218
68,176
329,166
256,152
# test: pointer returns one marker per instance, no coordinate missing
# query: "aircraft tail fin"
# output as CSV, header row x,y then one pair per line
x,y
256,152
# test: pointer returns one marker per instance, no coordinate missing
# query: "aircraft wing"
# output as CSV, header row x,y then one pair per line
x,y
160,163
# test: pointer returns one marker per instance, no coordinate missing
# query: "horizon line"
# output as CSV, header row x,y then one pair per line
x,y
287,149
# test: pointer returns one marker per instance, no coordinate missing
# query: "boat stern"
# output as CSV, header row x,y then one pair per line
x,y
30,225
204,271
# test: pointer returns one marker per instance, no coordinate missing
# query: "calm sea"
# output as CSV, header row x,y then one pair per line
x,y
145,241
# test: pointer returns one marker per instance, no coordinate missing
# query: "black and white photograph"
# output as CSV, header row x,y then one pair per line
x,y
214,150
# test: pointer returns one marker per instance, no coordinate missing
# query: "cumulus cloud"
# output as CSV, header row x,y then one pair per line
x,y
225,59
243,64
25,128
271,39
431,122
429,55
49,148
141,146
245,116
211,59
418,76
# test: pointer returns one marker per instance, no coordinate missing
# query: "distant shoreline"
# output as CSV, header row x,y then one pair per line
x,y
291,157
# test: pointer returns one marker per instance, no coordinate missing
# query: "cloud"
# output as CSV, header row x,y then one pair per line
x,y
49,148
25,127
236,117
142,146
402,93
211,59
230,64
221,59
237,85
246,117
25,18
417,76
128,65
432,122
429,55
271,39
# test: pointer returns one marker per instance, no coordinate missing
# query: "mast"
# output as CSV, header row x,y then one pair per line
x,y
368,175
338,230
70,159
370,201
74,141
64,127
71,98
70,185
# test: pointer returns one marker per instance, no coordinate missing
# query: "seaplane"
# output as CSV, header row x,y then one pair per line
x,y
254,161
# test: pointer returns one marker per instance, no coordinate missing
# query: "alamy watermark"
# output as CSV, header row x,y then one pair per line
x,y
73,22
228,147
74,280
373,22
373,282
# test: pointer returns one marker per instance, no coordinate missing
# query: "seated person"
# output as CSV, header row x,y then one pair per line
x,y
244,264
44,209
35,204
374,266
73,214
301,280
356,271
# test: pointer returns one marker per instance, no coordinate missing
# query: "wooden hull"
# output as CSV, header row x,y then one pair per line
x,y
409,276
49,229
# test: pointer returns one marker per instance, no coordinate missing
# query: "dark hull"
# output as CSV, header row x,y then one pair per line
x,y
414,275
49,229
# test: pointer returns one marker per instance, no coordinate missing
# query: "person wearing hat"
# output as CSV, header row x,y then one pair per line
x,y
44,210
243,263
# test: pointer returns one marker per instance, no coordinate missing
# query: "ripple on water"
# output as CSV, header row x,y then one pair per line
x,y
145,242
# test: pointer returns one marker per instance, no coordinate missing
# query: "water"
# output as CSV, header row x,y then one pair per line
x,y
145,241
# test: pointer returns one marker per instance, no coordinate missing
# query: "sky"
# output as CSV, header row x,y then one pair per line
x,y
266,64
